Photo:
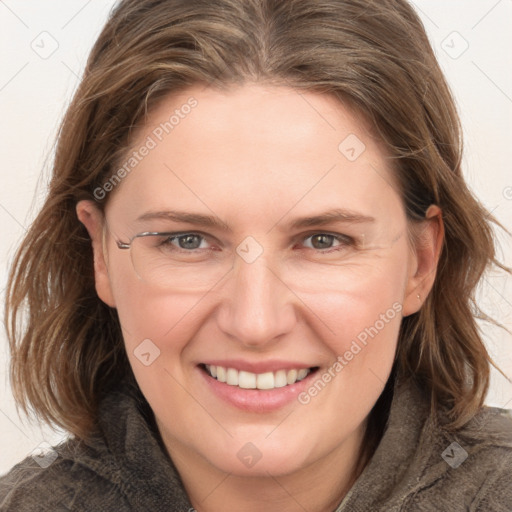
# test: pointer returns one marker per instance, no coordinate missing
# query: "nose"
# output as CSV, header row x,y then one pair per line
x,y
257,306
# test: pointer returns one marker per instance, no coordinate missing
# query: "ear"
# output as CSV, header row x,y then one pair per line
x,y
425,254
92,218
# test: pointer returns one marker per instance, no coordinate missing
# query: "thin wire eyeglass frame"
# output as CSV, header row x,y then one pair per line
x,y
124,245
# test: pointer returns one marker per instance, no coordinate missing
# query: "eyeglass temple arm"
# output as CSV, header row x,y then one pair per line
x,y
123,245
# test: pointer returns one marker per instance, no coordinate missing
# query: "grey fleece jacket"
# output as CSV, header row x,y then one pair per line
x,y
416,467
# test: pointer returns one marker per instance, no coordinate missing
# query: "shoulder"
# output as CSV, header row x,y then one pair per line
x,y
61,479
473,466
121,466
488,438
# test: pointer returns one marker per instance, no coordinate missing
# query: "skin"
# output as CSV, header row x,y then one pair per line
x,y
259,157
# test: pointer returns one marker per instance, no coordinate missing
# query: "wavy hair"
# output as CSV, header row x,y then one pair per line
x,y
374,56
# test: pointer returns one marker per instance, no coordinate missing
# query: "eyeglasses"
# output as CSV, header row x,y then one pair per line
x,y
187,266
160,263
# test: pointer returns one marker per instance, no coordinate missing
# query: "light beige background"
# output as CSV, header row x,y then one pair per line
x,y
473,44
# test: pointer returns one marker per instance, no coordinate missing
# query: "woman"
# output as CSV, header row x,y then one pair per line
x,y
250,287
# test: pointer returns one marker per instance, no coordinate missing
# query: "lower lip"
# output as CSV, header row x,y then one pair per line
x,y
256,400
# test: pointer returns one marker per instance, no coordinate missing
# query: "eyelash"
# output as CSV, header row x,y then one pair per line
x,y
344,240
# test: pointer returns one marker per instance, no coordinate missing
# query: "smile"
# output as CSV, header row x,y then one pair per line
x,y
249,380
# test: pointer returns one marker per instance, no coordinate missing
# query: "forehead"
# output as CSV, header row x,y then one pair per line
x,y
256,148
255,114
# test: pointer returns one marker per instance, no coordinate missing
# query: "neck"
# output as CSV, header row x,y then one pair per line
x,y
321,486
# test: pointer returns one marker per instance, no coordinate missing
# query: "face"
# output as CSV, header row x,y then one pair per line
x,y
304,270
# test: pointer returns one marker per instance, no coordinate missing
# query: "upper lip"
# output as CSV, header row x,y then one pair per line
x,y
258,366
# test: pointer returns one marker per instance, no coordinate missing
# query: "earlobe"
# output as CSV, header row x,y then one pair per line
x,y
92,218
427,251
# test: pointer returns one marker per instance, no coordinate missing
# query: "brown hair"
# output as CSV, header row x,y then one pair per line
x,y
374,56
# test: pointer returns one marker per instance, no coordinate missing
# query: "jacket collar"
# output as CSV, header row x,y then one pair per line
x,y
392,472
137,459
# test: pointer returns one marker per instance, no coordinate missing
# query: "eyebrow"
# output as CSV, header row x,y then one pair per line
x,y
331,216
199,219
211,221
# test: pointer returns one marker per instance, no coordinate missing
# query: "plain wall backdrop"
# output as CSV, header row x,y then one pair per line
x,y
44,46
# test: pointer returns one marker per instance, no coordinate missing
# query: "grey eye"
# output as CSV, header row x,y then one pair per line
x,y
322,241
189,241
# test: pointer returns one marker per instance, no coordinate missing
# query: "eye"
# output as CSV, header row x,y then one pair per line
x,y
186,241
323,241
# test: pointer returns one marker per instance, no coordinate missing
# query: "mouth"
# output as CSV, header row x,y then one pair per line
x,y
259,381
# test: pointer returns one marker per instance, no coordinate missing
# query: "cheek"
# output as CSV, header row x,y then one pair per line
x,y
361,323
361,327
365,305
148,315
156,331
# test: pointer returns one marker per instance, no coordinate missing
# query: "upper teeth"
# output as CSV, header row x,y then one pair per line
x,y
249,380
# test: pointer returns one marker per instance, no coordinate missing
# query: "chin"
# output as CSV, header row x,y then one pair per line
x,y
260,457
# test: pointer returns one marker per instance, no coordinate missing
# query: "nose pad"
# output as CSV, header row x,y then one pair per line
x,y
257,306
